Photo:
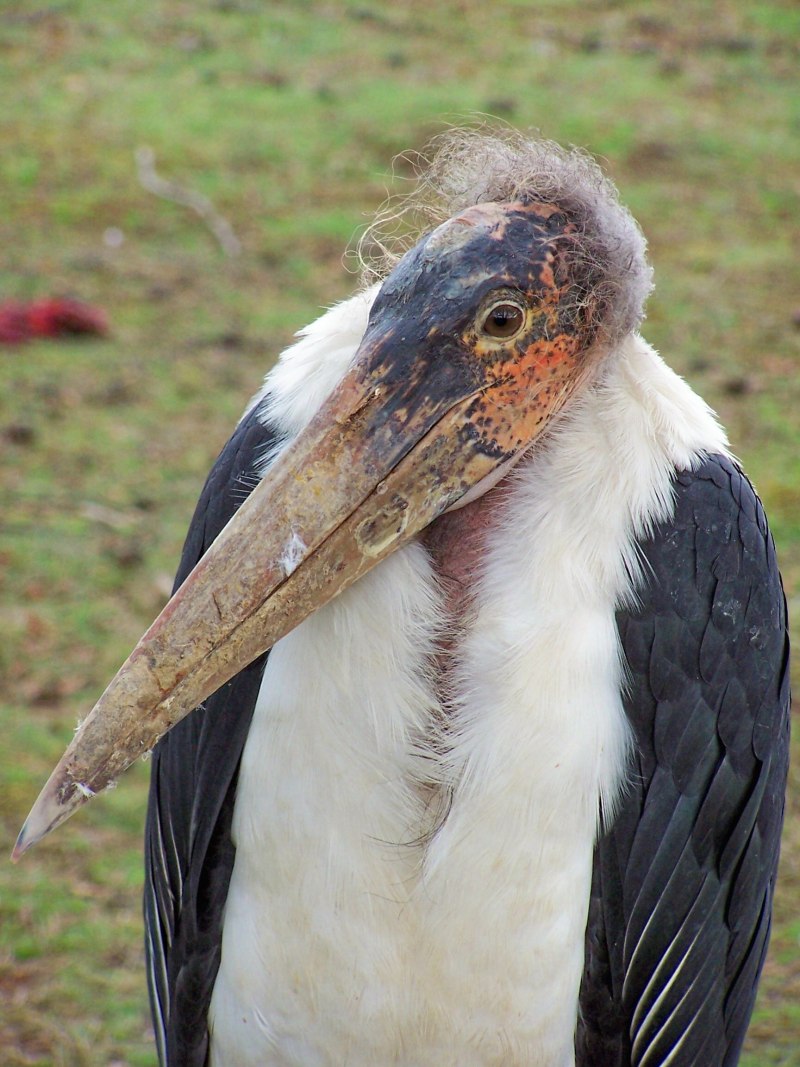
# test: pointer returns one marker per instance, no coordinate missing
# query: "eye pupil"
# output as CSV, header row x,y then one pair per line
x,y
504,320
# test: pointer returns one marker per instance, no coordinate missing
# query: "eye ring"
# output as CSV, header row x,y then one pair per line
x,y
503,320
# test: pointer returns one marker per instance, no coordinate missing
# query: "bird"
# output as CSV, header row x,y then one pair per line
x,y
470,708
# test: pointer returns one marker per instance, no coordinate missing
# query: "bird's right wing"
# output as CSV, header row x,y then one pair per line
x,y
682,889
188,849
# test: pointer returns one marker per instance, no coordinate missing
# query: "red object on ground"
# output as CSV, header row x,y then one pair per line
x,y
48,317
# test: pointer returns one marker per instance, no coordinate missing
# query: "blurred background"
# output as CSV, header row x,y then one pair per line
x,y
194,172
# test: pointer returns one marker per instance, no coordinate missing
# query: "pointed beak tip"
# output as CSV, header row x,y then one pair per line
x,y
47,813
23,843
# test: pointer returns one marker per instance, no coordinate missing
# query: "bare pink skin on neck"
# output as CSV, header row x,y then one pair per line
x,y
457,542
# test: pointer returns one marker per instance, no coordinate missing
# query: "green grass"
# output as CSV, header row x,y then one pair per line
x,y
287,116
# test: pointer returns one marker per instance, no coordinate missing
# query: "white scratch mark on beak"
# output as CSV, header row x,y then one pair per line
x,y
293,553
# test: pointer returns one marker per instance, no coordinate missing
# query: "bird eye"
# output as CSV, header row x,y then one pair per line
x,y
504,321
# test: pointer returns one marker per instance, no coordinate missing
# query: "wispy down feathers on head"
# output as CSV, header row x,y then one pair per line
x,y
463,167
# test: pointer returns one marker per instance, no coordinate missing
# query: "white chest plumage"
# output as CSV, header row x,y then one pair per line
x,y
409,895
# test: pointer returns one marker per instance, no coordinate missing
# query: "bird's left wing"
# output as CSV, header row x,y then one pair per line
x,y
682,888
188,849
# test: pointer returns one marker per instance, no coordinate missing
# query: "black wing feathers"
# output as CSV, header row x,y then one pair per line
x,y
188,850
683,880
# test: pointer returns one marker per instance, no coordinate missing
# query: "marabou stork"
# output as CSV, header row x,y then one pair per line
x,y
514,796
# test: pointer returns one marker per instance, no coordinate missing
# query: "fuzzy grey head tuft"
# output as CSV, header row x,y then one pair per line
x,y
464,167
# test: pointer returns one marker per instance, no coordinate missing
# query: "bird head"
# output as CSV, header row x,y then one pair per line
x,y
476,340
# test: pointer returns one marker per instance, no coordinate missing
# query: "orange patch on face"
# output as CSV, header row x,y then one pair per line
x,y
524,392
546,276
550,352
543,362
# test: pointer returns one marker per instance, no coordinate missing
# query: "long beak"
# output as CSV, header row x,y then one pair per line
x,y
382,458
417,424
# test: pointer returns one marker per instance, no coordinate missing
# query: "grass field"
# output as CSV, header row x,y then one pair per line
x,y
287,115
